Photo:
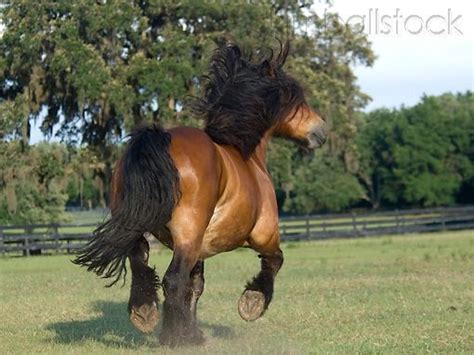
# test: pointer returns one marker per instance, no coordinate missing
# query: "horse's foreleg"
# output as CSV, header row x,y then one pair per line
x,y
143,302
258,292
178,319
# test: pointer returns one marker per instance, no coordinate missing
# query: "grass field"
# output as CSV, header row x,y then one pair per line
x,y
407,294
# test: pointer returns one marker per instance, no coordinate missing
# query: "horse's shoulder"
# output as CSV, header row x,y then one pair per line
x,y
194,154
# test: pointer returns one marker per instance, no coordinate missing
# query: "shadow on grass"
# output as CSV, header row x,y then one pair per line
x,y
111,328
218,331
114,329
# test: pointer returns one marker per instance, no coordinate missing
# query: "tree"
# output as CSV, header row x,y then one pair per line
x,y
101,67
30,183
419,156
322,185
93,70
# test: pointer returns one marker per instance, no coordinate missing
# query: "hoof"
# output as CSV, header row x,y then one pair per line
x,y
145,318
251,305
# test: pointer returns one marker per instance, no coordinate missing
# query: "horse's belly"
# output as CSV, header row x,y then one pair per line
x,y
228,229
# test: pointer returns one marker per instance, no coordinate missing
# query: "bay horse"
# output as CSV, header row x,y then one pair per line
x,y
203,192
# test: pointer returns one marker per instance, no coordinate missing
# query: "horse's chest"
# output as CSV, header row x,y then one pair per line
x,y
229,226
238,216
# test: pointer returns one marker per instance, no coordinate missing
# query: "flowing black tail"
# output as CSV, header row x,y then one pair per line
x,y
149,185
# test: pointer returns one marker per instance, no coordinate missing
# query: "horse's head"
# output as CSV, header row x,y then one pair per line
x,y
304,126
243,99
296,120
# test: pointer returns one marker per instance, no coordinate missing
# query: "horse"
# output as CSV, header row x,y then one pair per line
x,y
204,192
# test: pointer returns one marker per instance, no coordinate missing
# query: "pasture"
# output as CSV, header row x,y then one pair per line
x,y
400,294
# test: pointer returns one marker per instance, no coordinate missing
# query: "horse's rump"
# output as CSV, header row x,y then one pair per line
x,y
146,190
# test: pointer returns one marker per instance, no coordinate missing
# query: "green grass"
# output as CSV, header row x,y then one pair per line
x,y
407,294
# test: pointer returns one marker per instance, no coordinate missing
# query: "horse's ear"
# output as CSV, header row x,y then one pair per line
x,y
267,68
235,50
284,50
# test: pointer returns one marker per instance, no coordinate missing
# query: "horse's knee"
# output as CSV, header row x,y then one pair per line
x,y
273,262
279,259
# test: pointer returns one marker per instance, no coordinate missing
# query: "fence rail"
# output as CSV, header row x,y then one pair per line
x,y
39,239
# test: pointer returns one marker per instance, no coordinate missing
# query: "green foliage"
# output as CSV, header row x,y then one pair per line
x,y
30,190
36,182
34,206
419,156
93,70
99,68
323,185
102,67
308,183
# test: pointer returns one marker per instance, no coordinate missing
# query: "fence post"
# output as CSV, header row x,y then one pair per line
x,y
26,241
354,224
443,221
308,232
56,237
397,220
2,244
26,246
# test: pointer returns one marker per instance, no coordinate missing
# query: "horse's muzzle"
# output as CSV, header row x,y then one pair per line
x,y
317,137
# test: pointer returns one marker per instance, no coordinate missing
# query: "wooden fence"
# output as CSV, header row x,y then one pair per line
x,y
40,239
377,223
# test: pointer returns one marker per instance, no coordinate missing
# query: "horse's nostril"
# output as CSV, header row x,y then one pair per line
x,y
318,136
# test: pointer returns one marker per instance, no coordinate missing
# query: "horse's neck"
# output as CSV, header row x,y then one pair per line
x,y
260,153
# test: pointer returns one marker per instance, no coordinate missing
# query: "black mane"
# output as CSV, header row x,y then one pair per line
x,y
242,99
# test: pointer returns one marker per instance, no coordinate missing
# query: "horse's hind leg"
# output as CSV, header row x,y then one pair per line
x,y
258,292
143,303
196,288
